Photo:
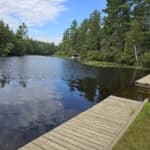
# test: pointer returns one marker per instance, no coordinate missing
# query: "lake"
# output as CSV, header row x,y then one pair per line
x,y
37,93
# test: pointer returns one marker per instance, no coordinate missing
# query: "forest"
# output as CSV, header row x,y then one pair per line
x,y
18,43
121,36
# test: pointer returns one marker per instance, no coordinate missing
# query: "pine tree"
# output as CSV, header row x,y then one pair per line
x,y
134,38
82,34
66,42
2,36
6,39
138,37
73,35
21,36
141,14
93,37
116,24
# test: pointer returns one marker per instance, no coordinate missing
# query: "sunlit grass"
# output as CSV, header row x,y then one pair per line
x,y
111,65
137,136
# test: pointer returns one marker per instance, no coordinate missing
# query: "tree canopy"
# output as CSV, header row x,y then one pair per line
x,y
19,44
122,35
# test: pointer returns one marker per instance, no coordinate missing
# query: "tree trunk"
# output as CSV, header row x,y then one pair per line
x,y
135,53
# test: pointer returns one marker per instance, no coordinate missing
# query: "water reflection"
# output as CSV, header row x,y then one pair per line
x,y
3,81
119,82
24,109
88,88
38,93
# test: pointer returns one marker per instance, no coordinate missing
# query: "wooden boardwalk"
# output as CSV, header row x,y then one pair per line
x,y
98,128
144,82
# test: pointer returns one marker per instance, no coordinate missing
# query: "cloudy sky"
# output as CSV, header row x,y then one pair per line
x,y
47,19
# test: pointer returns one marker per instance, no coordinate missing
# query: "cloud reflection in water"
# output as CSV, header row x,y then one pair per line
x,y
37,108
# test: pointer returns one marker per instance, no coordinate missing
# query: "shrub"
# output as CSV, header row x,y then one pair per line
x,y
92,55
7,50
125,58
71,52
110,56
145,60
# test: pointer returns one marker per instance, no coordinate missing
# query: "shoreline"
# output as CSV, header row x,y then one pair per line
x,y
111,65
105,64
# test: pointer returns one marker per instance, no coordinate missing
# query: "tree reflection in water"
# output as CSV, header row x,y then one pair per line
x,y
88,88
109,81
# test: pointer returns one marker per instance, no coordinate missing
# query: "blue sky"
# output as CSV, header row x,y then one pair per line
x,y
47,19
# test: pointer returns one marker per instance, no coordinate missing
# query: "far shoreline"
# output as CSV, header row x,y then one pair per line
x,y
104,64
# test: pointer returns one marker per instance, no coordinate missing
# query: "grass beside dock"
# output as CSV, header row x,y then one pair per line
x,y
137,136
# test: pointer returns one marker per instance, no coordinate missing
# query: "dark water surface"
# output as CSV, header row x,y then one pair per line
x,y
38,93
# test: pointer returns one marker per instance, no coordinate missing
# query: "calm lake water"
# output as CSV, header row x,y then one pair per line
x,y
38,93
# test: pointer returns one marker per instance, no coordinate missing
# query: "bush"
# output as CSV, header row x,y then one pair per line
x,y
145,60
92,55
125,58
71,52
109,56
101,56
9,48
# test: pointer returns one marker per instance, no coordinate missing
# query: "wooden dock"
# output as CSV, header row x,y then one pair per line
x,y
144,82
98,128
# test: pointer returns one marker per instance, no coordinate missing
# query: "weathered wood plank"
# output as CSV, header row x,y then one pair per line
x,y
102,129
93,140
94,129
59,141
88,135
71,141
89,130
84,144
99,122
47,144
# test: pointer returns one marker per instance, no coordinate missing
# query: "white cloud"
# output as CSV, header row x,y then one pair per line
x,y
32,12
56,40
41,35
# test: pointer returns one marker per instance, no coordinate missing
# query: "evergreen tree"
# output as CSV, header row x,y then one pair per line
x,y
21,36
138,37
141,14
93,37
2,36
82,34
6,39
64,47
22,32
20,44
73,35
133,39
116,24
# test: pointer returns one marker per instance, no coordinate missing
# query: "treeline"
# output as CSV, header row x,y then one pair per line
x,y
19,44
122,36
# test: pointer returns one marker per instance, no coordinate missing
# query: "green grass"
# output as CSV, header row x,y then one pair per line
x,y
111,65
60,56
104,64
137,136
